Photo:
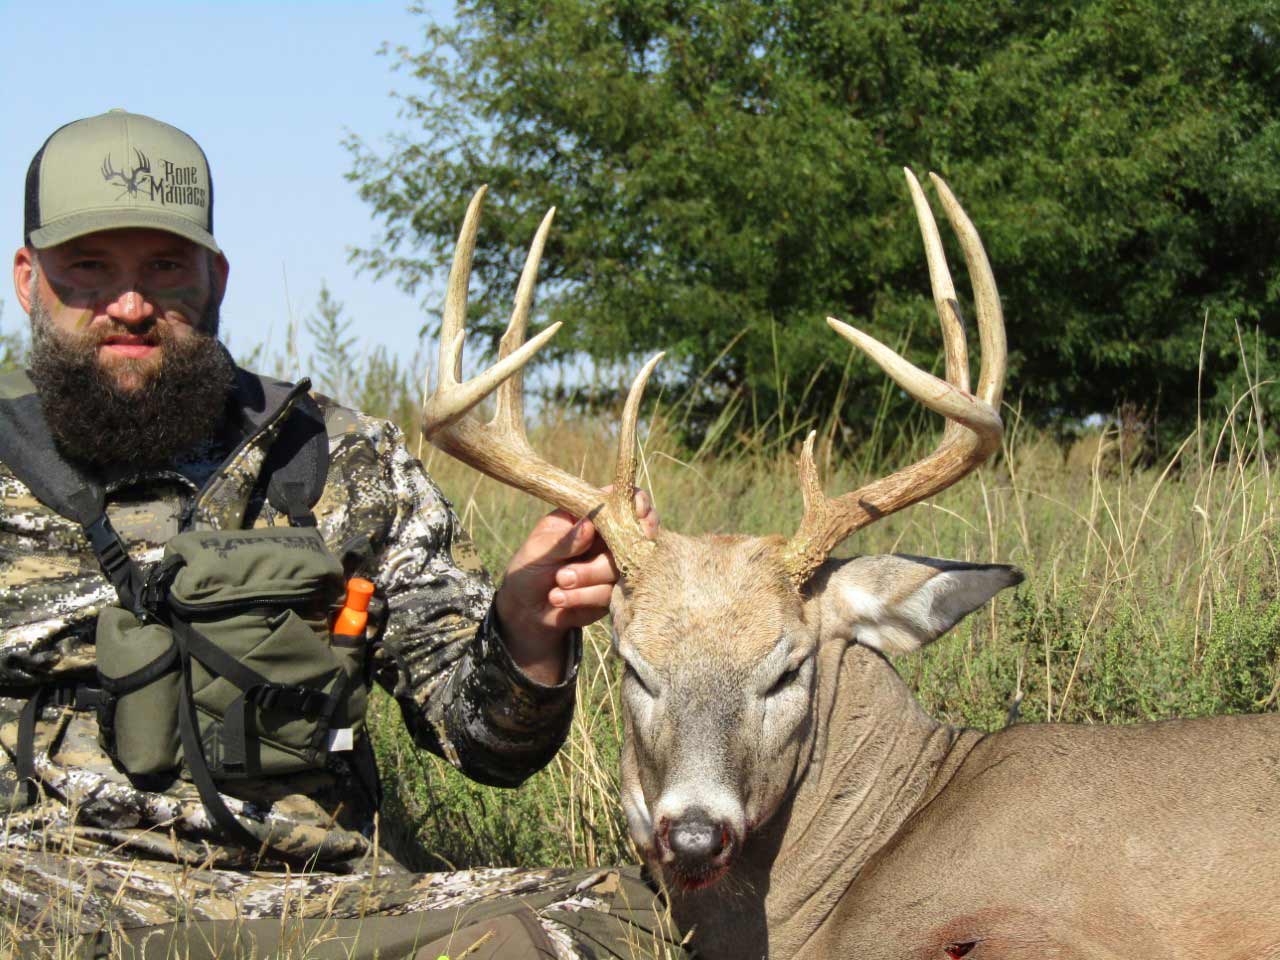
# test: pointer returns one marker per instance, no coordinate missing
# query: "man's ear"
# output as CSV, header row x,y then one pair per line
x,y
896,603
24,266
220,269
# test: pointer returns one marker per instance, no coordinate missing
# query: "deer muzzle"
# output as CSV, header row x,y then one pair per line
x,y
696,847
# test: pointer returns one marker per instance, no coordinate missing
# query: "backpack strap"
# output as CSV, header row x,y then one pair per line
x,y
296,467
27,448
297,464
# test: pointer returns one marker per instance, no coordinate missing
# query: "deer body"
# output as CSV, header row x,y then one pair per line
x,y
907,837
779,776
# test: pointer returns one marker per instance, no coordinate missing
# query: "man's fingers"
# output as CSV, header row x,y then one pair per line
x,y
588,571
594,597
558,537
646,514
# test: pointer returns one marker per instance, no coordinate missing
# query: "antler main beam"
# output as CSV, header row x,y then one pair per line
x,y
500,448
973,429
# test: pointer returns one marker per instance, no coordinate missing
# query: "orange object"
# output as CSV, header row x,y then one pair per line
x,y
354,613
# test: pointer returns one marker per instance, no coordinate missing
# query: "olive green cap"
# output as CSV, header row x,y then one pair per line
x,y
115,170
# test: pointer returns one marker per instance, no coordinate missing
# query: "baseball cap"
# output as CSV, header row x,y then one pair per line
x,y
115,170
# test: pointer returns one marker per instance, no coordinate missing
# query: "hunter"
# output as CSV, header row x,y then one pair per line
x,y
185,764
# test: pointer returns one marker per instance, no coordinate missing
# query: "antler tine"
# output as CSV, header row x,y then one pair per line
x,y
510,395
500,448
622,499
974,427
986,297
452,398
453,322
944,295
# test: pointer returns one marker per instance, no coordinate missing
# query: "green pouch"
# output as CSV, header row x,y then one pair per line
x,y
251,608
138,672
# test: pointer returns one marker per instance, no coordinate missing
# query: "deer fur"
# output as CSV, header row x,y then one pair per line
x,y
864,828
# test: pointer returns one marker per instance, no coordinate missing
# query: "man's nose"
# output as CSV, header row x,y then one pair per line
x,y
130,305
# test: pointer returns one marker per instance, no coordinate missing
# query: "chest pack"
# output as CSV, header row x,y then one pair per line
x,y
218,660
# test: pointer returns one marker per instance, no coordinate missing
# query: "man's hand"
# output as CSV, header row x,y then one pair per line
x,y
561,577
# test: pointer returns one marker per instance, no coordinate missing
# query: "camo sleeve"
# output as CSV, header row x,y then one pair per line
x,y
440,655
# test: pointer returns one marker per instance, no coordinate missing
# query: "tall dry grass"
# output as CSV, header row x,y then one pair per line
x,y
1151,592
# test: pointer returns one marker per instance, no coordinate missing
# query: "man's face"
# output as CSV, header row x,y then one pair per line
x,y
127,292
124,352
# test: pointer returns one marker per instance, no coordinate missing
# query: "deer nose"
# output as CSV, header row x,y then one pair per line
x,y
697,838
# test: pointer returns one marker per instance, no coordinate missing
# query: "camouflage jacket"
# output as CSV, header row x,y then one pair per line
x,y
434,647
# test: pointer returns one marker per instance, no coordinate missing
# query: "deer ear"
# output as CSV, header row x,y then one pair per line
x,y
897,604
619,612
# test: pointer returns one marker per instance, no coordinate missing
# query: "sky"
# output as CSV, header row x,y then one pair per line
x,y
269,89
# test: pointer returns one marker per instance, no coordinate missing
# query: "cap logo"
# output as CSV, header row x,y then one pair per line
x,y
179,183
131,181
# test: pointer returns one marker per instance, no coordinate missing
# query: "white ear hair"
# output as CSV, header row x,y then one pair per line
x,y
897,604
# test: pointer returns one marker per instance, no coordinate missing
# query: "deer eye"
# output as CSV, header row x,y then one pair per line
x,y
785,680
629,673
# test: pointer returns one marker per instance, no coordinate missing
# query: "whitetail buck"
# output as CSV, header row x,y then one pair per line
x,y
781,777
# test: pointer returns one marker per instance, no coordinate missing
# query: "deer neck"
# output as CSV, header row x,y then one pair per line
x,y
877,758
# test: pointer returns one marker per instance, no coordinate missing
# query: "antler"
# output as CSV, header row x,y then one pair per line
x,y
973,423
500,448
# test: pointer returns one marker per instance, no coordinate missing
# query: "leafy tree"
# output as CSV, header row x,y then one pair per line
x,y
727,172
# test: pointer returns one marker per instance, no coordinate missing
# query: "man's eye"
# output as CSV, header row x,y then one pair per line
x,y
167,266
88,265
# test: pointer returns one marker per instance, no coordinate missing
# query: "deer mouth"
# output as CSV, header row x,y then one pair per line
x,y
695,851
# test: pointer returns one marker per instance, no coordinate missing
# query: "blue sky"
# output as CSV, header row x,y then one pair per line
x,y
255,83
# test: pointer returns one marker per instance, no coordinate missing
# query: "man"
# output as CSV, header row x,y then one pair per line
x,y
122,278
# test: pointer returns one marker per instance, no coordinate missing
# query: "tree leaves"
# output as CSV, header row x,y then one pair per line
x,y
731,170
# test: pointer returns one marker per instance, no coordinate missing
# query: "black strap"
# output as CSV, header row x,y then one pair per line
x,y
27,448
79,695
149,673
117,566
297,464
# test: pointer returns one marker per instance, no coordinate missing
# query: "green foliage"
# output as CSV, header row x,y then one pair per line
x,y
13,346
374,382
727,173
334,362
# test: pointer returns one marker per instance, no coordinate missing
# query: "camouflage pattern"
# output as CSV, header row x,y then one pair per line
x,y
435,650
110,906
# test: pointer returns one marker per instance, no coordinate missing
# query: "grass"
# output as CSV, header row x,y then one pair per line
x,y
1151,592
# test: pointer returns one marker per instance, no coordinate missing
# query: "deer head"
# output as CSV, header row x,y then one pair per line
x,y
726,639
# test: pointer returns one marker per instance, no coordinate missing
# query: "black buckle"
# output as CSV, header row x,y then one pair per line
x,y
107,546
302,700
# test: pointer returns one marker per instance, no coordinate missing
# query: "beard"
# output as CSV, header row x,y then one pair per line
x,y
130,412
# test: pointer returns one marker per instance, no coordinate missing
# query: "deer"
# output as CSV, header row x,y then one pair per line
x,y
779,777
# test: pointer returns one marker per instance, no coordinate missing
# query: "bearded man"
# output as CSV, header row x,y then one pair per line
x,y
135,810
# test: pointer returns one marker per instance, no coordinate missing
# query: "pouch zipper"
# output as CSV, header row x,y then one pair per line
x,y
216,608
